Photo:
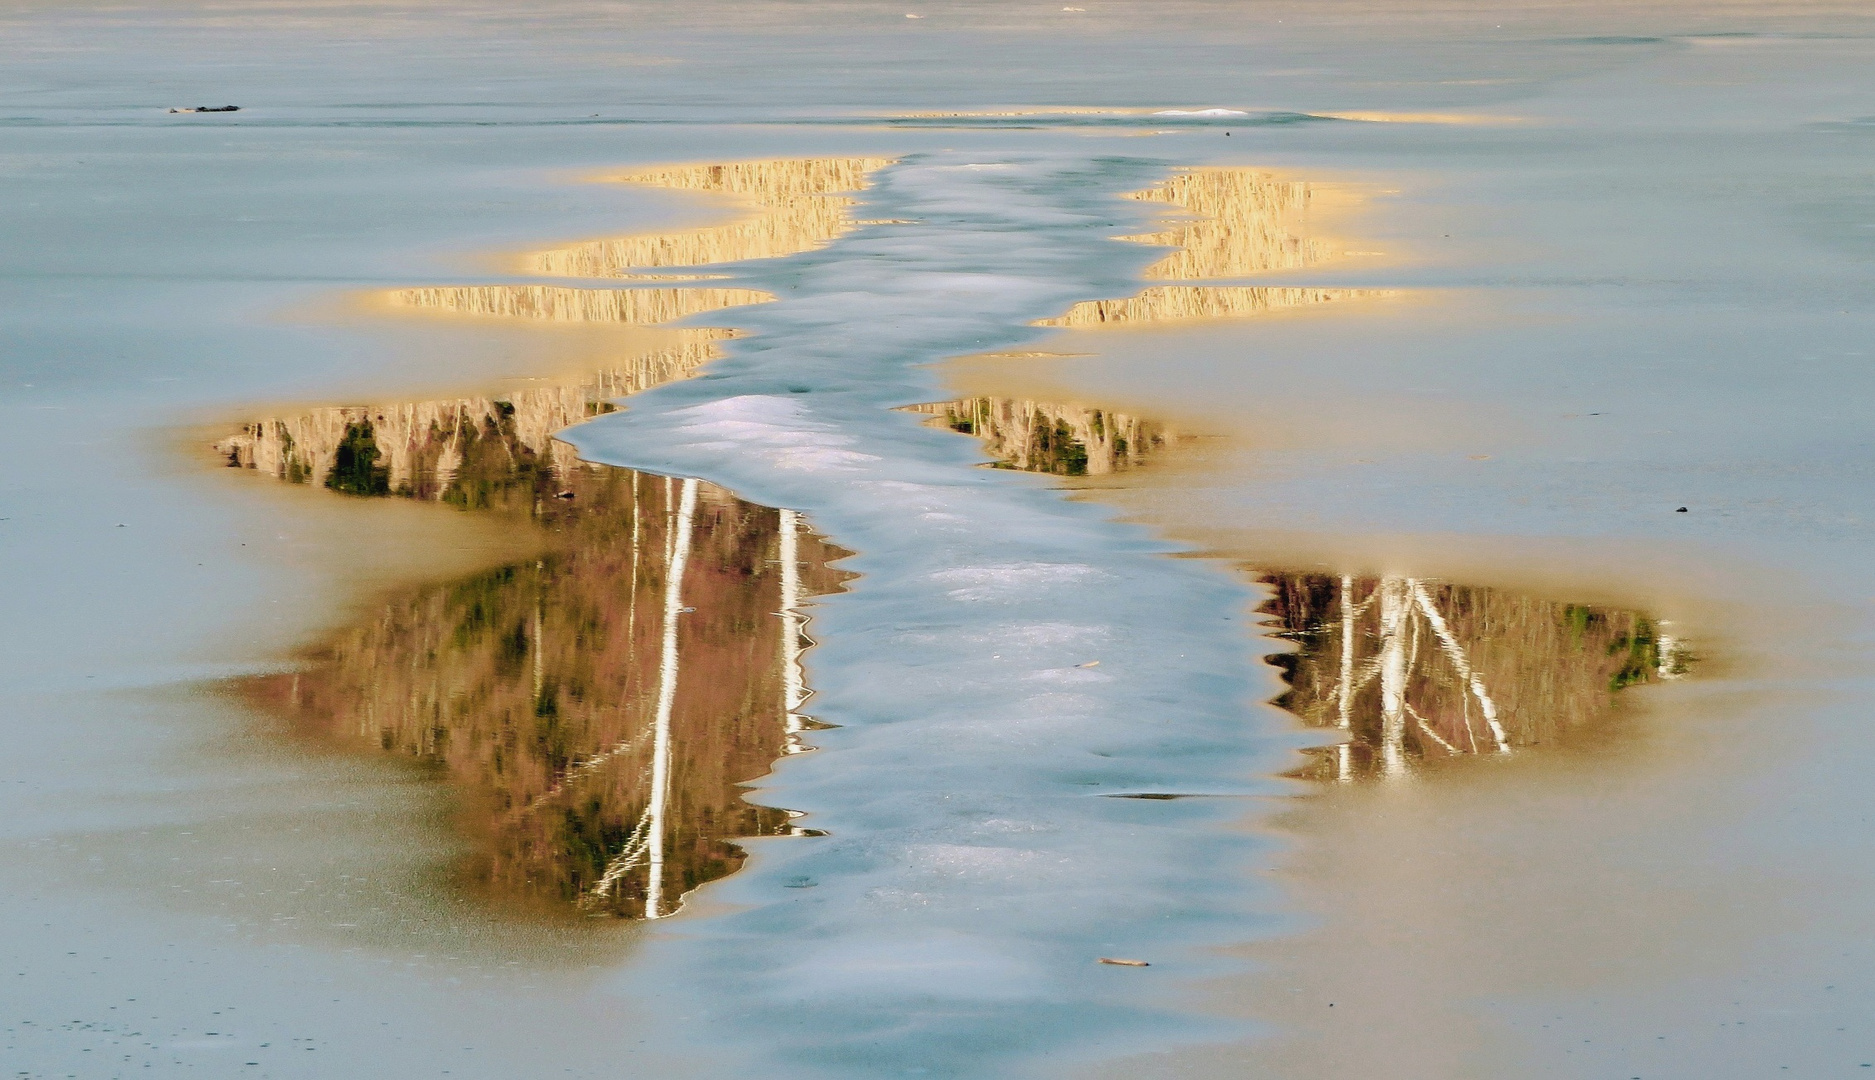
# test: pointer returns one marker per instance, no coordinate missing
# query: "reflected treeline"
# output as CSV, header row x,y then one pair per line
x,y
798,205
595,708
1241,226
1067,440
1414,669
1163,303
550,303
463,450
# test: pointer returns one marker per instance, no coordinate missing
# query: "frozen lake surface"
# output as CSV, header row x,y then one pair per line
x,y
1568,269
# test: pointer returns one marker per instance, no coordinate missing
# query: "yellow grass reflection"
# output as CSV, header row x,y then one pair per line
x,y
638,307
797,205
1162,303
1408,671
1461,119
1242,225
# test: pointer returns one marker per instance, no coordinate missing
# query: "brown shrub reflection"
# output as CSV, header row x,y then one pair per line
x,y
596,708
1038,436
1415,670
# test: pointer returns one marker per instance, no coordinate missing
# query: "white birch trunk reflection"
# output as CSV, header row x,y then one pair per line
x,y
794,684
1508,670
667,697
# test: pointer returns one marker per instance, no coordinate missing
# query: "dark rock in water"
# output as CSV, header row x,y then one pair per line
x,y
209,108
1681,510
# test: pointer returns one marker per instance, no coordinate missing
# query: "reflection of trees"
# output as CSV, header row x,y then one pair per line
x,y
595,708
798,206
461,450
1411,669
1067,440
552,303
1162,303
1414,669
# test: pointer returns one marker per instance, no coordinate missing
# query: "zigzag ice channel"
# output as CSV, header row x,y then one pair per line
x,y
949,922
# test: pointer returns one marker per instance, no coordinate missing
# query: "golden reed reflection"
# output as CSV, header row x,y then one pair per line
x,y
1242,222
1066,440
548,303
597,708
1164,303
1242,225
1415,670
798,205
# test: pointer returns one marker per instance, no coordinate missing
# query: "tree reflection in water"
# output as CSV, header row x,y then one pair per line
x,y
1036,436
596,708
1413,670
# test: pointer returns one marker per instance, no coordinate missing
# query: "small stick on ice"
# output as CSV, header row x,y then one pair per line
x,y
1117,962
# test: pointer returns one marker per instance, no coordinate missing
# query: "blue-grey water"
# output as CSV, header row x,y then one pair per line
x,y
1674,239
